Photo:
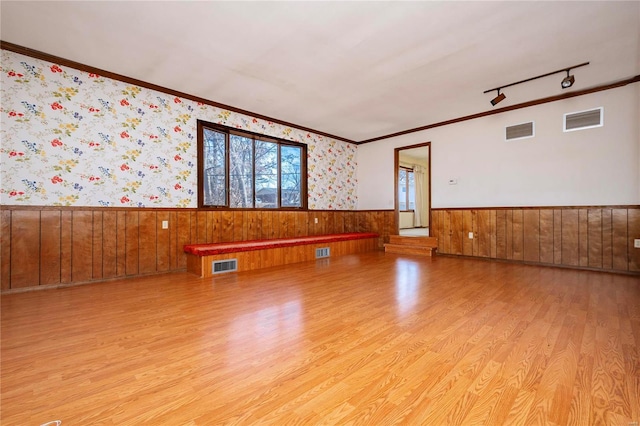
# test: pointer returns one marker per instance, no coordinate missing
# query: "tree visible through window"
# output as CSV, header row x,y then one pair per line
x,y
244,170
406,189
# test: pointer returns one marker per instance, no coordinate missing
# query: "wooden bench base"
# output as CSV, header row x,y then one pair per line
x,y
267,257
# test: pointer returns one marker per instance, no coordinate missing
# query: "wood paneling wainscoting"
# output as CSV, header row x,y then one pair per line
x,y
51,246
599,238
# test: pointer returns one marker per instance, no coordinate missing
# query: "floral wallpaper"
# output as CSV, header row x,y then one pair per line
x,y
78,139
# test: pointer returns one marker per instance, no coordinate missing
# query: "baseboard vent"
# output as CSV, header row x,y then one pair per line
x,y
583,119
227,265
322,252
519,131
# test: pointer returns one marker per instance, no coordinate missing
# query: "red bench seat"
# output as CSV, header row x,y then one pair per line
x,y
238,246
257,254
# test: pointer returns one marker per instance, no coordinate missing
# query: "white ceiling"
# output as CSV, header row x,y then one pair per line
x,y
357,70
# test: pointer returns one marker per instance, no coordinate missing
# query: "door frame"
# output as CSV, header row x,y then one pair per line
x,y
396,164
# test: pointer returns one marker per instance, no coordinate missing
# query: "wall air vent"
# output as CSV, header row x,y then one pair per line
x,y
519,131
227,265
583,119
322,252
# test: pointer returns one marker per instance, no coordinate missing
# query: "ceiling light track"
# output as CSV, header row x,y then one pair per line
x,y
566,82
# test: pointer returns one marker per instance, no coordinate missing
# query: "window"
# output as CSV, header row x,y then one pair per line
x,y
238,169
406,189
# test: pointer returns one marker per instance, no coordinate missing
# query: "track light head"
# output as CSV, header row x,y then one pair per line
x,y
567,81
498,98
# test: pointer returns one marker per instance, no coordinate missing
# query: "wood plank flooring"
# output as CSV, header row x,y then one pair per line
x,y
364,339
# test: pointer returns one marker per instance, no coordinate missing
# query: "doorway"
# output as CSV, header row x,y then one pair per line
x,y
412,171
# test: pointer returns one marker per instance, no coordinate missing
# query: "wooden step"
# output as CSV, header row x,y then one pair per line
x,y
409,249
414,241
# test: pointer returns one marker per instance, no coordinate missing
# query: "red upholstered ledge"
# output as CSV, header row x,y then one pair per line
x,y
211,249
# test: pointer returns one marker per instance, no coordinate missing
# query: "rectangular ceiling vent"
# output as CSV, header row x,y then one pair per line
x,y
584,119
519,131
322,252
227,265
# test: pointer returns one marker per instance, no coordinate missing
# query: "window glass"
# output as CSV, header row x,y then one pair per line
x,y
402,189
214,165
240,171
266,174
291,175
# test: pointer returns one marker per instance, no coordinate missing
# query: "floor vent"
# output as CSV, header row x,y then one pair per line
x,y
519,131
220,266
584,119
322,252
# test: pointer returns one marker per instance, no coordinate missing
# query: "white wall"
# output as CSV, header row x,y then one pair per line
x,y
589,167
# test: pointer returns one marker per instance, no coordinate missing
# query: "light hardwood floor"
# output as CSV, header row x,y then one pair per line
x,y
365,339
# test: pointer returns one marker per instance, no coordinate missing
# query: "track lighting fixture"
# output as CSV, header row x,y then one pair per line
x,y
498,98
566,82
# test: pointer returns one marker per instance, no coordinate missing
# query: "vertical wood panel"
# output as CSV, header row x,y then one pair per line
x,y
350,221
456,232
557,236
121,243
5,249
330,227
467,226
173,240
226,234
132,261
435,227
338,222
494,241
81,246
483,228
211,226
501,234
312,228
546,236
303,225
183,237
594,223
531,235
509,233
148,240
238,227
476,234
518,234
25,248
620,241
109,244
193,231
201,227
633,221
97,250
255,225
65,246
49,247
583,237
607,239
447,232
265,225
570,237
284,225
360,219
163,242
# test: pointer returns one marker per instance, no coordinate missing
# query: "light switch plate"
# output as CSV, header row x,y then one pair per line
x,y
471,235
165,224
636,243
